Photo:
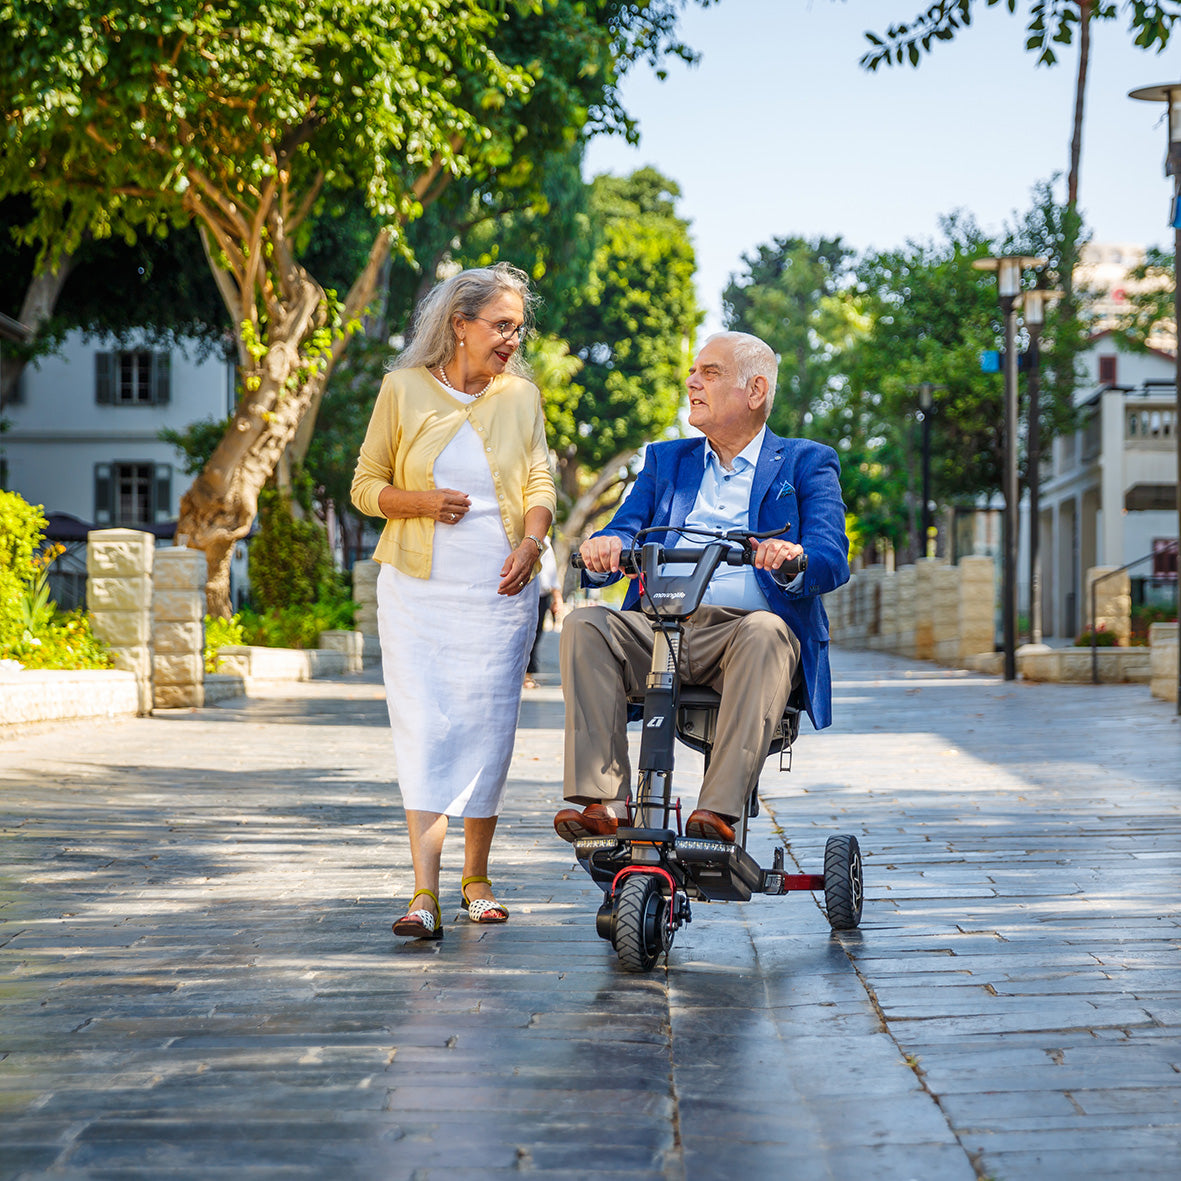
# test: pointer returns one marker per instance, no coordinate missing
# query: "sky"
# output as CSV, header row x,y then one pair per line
x,y
779,132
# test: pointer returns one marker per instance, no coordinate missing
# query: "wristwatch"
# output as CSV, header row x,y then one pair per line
x,y
537,542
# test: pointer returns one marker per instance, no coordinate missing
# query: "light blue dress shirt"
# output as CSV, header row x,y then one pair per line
x,y
723,502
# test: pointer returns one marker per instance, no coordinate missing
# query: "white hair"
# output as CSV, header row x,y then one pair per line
x,y
466,294
753,358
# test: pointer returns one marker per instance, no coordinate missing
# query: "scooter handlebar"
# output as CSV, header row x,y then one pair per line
x,y
629,560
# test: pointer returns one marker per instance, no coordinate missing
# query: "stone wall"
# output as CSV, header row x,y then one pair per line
x,y
928,611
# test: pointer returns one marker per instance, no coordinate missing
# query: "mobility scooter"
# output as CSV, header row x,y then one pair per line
x,y
649,871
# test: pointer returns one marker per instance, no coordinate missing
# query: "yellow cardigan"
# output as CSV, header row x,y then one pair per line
x,y
413,419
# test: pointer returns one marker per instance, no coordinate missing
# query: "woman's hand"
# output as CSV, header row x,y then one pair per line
x,y
445,505
514,574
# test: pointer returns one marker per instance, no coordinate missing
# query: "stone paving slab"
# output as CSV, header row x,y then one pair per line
x,y
197,977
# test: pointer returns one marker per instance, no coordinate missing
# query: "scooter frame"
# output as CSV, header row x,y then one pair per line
x,y
650,871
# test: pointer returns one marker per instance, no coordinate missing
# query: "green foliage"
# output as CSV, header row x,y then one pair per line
x,y
290,566
1049,23
32,630
1150,313
221,633
632,326
1102,639
794,294
297,627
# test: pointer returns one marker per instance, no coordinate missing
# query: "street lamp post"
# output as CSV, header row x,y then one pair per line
x,y
1170,94
1033,307
1008,270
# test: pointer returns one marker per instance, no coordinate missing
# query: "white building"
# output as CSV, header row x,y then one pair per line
x,y
1108,492
83,433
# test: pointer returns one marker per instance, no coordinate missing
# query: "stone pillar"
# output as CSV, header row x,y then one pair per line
x,y
1112,605
1162,642
977,606
945,616
119,599
904,584
365,574
887,637
924,608
870,605
178,629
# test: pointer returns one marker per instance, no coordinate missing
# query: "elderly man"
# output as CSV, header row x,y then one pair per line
x,y
757,633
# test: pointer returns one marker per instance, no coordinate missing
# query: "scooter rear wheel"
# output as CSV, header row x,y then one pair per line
x,y
641,928
842,882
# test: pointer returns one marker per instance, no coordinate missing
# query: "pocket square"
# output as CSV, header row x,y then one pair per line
x,y
785,489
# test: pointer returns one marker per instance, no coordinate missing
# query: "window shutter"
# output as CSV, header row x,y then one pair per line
x,y
104,508
161,378
162,493
104,378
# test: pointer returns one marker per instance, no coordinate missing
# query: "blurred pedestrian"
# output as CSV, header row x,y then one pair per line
x,y
455,460
549,603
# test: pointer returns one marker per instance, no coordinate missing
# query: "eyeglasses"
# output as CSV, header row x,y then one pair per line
x,y
507,329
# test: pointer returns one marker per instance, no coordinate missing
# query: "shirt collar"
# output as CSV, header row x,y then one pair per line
x,y
747,457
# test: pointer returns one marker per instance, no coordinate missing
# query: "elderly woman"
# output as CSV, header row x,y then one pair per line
x,y
455,460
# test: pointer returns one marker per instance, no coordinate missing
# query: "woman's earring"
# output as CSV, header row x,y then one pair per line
x,y
461,344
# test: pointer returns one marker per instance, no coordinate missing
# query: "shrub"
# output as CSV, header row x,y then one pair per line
x,y
32,630
290,564
1103,639
221,633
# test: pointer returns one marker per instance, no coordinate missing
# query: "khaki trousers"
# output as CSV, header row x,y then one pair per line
x,y
750,657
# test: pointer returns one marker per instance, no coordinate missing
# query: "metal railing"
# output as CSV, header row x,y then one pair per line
x,y
1170,547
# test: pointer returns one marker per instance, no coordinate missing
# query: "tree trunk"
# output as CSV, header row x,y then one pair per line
x,y
39,302
1080,90
219,508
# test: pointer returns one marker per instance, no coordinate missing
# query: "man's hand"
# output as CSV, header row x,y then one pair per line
x,y
600,555
771,554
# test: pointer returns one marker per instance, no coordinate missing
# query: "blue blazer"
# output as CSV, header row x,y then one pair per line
x,y
796,482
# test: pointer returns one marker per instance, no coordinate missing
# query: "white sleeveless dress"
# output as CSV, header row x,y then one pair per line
x,y
454,651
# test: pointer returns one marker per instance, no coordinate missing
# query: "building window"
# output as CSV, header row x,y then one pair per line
x,y
132,378
1107,371
1164,559
134,495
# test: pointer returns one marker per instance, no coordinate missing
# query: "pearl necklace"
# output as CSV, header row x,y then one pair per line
x,y
447,382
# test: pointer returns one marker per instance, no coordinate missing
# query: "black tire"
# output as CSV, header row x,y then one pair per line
x,y
641,925
842,882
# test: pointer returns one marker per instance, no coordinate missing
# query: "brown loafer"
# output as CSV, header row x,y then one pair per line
x,y
595,820
709,826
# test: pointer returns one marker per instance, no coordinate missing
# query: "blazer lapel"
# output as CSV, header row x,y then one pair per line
x,y
770,461
686,483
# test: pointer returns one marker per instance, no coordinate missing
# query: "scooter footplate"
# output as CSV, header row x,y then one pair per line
x,y
720,871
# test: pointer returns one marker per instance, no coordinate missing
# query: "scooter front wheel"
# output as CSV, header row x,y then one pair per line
x,y
641,922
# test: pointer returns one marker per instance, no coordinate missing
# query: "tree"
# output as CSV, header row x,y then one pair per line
x,y
242,120
1049,23
1151,313
632,326
793,294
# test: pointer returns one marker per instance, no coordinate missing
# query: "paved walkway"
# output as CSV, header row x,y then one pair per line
x,y
197,977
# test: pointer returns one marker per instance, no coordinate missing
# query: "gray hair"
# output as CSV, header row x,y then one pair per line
x,y
754,358
432,339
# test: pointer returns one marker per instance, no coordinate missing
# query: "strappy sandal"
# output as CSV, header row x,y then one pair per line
x,y
420,924
482,910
